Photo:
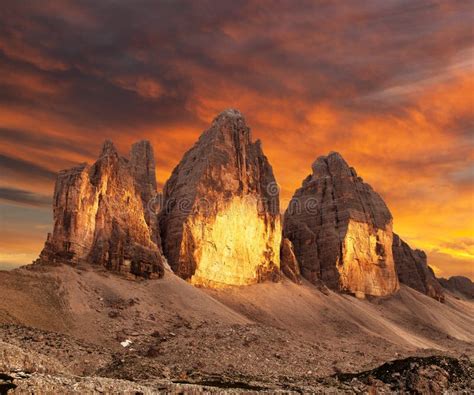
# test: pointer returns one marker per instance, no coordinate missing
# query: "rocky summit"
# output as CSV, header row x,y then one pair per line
x,y
220,222
413,270
100,214
341,230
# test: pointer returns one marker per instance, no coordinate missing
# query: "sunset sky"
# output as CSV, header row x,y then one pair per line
x,y
389,84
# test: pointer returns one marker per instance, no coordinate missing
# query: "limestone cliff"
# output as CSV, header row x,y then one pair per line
x,y
220,222
342,231
99,215
413,270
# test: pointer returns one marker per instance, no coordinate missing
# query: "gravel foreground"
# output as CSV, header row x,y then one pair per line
x,y
54,368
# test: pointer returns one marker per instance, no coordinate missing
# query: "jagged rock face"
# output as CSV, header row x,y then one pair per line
x,y
459,285
289,263
99,216
342,231
220,222
142,168
413,270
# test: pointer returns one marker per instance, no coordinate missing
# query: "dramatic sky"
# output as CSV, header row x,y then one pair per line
x,y
388,83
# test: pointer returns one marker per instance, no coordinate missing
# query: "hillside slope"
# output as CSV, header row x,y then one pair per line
x,y
270,333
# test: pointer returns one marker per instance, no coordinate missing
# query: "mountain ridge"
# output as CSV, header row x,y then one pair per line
x,y
225,182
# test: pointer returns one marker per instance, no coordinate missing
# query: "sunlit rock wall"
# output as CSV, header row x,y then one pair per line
x,y
367,262
220,222
341,231
235,245
99,218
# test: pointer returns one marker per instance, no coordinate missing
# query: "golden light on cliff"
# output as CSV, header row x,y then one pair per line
x,y
235,246
367,263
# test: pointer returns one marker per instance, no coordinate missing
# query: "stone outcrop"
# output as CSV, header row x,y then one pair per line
x,y
341,230
413,270
220,222
99,214
288,262
142,168
459,285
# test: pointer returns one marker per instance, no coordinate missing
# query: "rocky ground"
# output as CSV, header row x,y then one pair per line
x,y
112,334
69,366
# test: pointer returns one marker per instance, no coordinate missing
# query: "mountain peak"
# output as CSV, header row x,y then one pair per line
x,y
108,148
142,144
347,242
227,184
100,216
228,129
330,165
229,114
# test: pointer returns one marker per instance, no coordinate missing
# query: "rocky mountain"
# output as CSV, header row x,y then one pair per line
x,y
220,222
459,285
100,216
413,270
342,233
341,230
